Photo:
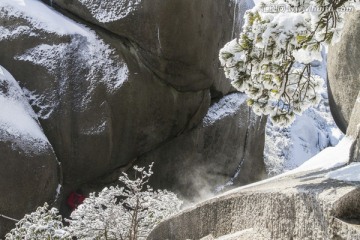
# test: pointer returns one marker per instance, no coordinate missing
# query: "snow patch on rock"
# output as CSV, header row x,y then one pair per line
x,y
109,11
6,33
18,122
45,55
349,173
227,106
41,16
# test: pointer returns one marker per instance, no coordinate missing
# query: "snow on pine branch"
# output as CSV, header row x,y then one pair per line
x,y
271,59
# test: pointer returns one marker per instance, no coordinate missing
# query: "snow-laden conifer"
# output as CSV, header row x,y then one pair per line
x,y
271,60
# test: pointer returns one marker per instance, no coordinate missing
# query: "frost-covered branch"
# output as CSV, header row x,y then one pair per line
x,y
271,60
128,212
124,213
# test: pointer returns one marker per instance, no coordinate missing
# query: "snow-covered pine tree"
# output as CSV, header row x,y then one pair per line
x,y
271,59
124,213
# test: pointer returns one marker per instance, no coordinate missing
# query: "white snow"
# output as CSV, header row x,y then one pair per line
x,y
227,106
306,57
18,122
110,11
45,55
42,16
329,158
349,173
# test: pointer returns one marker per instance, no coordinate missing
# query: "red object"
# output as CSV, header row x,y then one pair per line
x,y
74,200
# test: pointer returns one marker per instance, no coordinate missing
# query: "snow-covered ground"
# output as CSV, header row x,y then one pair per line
x,y
288,148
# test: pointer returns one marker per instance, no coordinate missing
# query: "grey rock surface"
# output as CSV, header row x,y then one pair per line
x,y
300,206
344,71
353,131
229,142
29,172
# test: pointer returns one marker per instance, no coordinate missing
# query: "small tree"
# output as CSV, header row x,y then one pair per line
x,y
128,212
124,213
44,223
271,59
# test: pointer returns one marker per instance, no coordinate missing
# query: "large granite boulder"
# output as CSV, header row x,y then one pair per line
x,y
29,172
306,205
344,71
344,81
99,105
178,40
226,149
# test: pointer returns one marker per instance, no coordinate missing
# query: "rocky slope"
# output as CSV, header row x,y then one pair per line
x,y
300,205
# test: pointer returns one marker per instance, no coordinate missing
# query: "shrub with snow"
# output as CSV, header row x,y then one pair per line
x,y
44,223
124,213
271,59
129,212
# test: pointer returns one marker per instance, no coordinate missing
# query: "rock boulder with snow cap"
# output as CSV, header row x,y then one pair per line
x,y
29,170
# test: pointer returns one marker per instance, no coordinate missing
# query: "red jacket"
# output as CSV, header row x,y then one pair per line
x,y
74,200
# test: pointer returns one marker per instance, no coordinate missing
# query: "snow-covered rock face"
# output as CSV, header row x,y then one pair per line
x,y
288,148
18,122
101,68
28,165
